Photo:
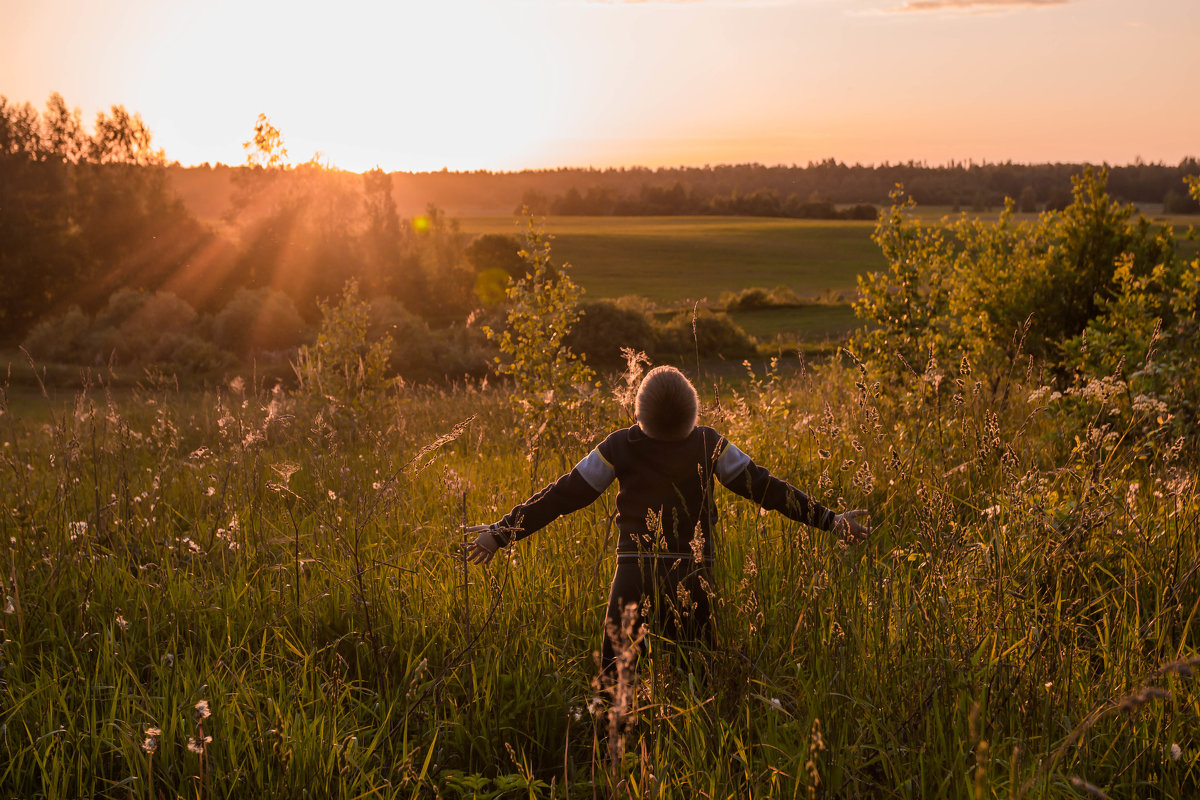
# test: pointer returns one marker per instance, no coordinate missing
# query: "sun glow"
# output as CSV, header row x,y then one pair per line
x,y
510,84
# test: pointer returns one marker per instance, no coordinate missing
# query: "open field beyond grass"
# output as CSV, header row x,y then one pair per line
x,y
675,261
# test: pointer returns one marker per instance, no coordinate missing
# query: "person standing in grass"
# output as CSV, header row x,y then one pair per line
x,y
664,465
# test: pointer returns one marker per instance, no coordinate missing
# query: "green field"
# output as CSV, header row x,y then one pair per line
x,y
681,260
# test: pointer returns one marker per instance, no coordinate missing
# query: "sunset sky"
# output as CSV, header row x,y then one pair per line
x,y
513,84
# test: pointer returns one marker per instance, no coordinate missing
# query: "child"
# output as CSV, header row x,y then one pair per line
x,y
664,465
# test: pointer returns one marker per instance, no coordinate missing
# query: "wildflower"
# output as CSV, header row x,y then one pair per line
x,y
122,623
196,744
9,608
77,529
202,710
1149,405
169,659
210,491
1175,752
150,744
332,496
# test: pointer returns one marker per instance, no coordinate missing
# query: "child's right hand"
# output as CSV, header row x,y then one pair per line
x,y
485,545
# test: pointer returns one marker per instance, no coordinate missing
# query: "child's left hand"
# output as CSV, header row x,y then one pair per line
x,y
485,545
847,525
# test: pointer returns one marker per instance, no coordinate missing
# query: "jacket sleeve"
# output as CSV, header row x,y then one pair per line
x,y
740,475
573,491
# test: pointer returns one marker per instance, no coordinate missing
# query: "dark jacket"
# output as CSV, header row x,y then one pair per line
x,y
665,492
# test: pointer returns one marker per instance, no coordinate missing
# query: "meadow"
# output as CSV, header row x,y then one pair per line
x,y
259,588
251,591
677,261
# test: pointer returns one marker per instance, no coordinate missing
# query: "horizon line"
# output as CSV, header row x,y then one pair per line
x,y
950,164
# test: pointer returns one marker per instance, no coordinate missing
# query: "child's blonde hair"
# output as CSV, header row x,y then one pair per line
x,y
666,407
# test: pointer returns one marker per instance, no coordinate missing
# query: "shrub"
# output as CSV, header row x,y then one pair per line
x,y
62,338
1149,330
148,326
258,319
604,328
497,251
709,334
552,383
993,290
755,298
193,355
344,365
421,354
746,300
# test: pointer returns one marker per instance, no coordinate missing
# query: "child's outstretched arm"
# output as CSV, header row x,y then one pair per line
x,y
739,474
573,491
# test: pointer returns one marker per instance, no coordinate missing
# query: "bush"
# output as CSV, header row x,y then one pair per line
x,y
136,327
192,355
862,211
420,353
497,251
755,298
747,300
713,335
604,327
62,338
345,365
258,319
145,327
993,291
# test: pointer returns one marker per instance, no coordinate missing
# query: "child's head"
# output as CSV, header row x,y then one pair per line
x,y
666,405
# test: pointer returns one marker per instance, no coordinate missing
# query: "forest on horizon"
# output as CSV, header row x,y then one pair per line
x,y
815,190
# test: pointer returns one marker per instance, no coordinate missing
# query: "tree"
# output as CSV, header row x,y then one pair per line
x,y
265,148
497,251
391,265
553,384
83,215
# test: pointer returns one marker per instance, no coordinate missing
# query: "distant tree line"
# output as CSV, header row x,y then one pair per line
x,y
966,185
839,191
677,200
749,189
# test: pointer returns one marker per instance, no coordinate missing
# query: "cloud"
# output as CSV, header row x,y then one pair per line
x,y
978,6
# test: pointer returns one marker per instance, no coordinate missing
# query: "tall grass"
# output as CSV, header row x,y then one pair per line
x,y
1022,624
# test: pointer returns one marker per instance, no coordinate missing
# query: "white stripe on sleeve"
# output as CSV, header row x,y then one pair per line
x,y
596,471
731,464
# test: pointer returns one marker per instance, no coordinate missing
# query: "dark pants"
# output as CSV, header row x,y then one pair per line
x,y
680,610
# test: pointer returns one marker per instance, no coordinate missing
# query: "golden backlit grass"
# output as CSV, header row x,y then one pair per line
x,y
1022,624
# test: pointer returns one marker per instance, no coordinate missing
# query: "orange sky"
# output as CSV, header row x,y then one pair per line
x,y
511,84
